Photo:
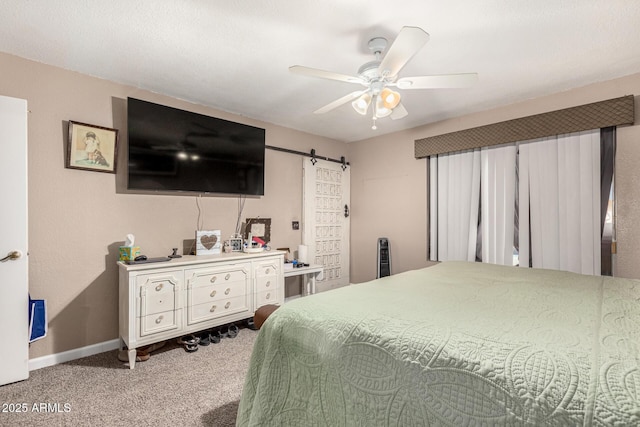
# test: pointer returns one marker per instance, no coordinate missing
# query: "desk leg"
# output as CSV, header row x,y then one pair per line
x,y
313,283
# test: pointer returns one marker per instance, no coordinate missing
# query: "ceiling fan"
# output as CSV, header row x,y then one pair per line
x,y
381,75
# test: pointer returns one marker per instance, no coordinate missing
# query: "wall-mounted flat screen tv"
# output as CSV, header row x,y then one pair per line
x,y
176,150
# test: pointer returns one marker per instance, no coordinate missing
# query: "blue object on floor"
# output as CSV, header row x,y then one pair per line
x,y
37,319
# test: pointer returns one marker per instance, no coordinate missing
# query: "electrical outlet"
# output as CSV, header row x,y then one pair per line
x,y
295,225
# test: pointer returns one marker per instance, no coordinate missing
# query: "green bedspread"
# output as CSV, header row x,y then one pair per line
x,y
455,344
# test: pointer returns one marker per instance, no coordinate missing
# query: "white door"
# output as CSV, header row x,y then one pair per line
x,y
14,287
325,225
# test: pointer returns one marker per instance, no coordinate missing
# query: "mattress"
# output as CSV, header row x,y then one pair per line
x,y
456,344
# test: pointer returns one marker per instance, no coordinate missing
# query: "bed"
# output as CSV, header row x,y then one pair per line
x,y
456,344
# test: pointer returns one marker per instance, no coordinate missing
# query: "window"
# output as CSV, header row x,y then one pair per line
x,y
542,203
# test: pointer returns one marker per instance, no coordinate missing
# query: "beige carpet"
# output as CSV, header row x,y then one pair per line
x,y
172,388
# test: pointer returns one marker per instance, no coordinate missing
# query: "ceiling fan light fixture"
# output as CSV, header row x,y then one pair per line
x,y
390,98
381,109
361,105
381,76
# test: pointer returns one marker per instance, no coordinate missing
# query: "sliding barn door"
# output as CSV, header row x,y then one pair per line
x,y
325,225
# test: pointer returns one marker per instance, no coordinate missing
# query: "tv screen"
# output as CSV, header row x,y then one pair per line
x,y
177,150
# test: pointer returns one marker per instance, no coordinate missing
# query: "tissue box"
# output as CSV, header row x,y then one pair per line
x,y
128,253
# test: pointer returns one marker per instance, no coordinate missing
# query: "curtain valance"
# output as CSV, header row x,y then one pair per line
x,y
612,112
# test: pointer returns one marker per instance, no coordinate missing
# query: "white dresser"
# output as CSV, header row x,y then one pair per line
x,y
164,300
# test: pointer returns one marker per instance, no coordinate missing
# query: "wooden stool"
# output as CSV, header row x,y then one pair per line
x,y
263,313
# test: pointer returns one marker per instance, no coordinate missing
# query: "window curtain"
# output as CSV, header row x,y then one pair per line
x,y
607,165
559,186
607,155
498,204
454,200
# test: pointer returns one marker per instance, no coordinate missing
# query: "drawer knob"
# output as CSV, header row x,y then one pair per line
x,y
159,319
268,283
213,279
227,277
268,270
159,287
227,305
213,293
269,295
213,308
226,292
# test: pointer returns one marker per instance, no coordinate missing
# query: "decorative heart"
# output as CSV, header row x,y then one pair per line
x,y
209,241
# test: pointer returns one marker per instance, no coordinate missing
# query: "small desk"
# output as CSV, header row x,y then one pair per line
x,y
310,273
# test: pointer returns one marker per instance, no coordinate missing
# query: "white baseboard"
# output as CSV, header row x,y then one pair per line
x,y
77,353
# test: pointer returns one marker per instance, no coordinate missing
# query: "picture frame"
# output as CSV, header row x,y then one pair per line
x,y
208,242
258,227
236,244
91,147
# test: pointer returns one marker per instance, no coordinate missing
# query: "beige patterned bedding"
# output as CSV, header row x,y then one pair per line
x,y
456,344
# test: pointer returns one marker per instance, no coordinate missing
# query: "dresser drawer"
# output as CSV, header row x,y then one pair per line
x,y
215,309
217,275
159,322
266,283
158,293
266,297
205,294
268,268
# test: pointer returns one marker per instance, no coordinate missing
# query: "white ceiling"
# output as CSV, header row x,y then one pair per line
x,y
234,55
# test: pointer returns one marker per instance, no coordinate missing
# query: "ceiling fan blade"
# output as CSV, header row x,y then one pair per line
x,y
438,82
398,112
314,72
409,41
338,102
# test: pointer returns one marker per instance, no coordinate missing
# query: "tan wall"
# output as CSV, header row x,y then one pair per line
x,y
388,199
77,219
389,185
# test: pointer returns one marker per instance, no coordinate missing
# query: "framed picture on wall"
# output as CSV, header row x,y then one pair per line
x,y
91,147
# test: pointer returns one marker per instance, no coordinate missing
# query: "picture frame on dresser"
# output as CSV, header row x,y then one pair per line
x,y
91,147
208,242
258,227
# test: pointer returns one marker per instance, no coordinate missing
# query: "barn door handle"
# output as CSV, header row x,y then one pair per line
x,y
13,255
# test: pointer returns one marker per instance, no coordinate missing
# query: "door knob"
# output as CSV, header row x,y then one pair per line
x,y
13,255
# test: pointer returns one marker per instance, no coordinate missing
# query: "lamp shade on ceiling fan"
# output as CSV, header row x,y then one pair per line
x,y
381,108
361,105
390,98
